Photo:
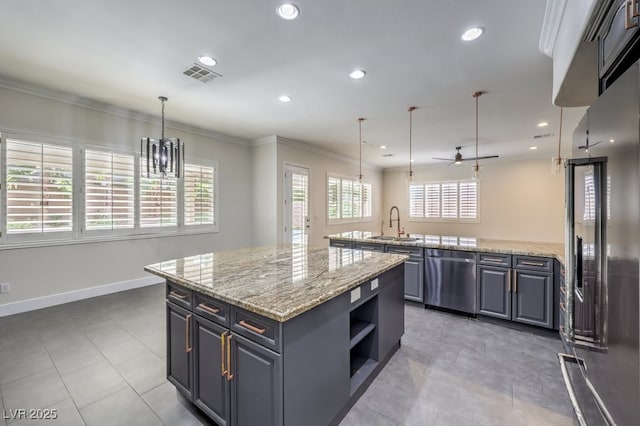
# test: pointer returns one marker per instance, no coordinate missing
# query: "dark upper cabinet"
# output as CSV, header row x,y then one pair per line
x,y
179,348
618,41
256,385
533,298
494,291
211,386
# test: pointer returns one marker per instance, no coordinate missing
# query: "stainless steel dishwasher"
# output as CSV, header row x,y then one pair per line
x,y
451,279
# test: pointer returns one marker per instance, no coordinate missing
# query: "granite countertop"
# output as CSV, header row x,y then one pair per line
x,y
527,248
278,282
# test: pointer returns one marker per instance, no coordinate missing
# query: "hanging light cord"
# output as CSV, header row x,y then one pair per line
x,y
163,99
360,120
477,95
559,160
410,141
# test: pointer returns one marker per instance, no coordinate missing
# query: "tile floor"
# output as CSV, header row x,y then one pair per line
x,y
101,362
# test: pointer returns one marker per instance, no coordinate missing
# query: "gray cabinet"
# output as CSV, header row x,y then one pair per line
x,y
524,293
179,349
256,384
211,387
533,298
413,271
494,291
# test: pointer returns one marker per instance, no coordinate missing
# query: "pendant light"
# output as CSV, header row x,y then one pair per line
x,y
410,172
360,120
556,162
476,166
162,156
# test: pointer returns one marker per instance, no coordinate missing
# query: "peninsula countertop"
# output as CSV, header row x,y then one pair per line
x,y
527,248
280,281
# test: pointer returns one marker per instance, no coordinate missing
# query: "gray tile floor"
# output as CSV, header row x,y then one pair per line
x,y
101,362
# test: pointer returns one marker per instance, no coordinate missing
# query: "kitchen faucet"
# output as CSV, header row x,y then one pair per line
x,y
398,219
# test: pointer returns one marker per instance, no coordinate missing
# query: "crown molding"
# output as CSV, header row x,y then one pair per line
x,y
94,105
320,151
553,14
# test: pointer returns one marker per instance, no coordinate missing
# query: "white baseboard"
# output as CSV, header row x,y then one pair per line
x,y
72,296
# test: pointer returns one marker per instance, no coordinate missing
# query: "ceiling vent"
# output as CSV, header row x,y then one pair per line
x,y
544,136
201,73
387,155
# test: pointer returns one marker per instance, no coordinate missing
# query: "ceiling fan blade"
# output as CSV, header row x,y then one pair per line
x,y
594,144
583,147
485,157
443,159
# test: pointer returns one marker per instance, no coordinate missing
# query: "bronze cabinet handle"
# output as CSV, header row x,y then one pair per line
x,y
629,13
187,339
252,328
229,373
528,263
515,281
223,369
208,308
177,295
508,283
492,259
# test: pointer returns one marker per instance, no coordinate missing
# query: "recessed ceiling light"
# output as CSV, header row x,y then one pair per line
x,y
207,60
284,98
357,74
383,147
411,160
533,148
288,11
612,140
472,34
543,124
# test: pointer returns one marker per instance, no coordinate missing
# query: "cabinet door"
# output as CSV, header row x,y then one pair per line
x,y
494,295
533,298
256,385
179,348
414,279
210,385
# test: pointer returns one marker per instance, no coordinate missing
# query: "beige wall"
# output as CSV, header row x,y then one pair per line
x,y
519,200
264,207
42,271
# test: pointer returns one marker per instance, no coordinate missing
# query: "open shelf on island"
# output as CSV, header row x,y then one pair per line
x,y
361,367
360,330
363,346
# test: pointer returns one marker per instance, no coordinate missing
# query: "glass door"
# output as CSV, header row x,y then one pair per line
x,y
296,204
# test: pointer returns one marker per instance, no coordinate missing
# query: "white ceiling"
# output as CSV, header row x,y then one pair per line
x,y
128,52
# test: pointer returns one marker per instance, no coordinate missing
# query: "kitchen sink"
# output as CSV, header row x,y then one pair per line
x,y
408,239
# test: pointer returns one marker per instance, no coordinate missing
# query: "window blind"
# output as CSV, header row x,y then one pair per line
x,y
109,191
199,201
39,187
348,199
446,200
158,202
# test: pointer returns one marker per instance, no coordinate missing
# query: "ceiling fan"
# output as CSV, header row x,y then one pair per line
x,y
587,145
458,157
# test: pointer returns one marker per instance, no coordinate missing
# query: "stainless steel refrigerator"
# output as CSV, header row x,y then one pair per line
x,y
600,323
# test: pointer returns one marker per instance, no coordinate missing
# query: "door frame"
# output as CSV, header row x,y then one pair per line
x,y
286,197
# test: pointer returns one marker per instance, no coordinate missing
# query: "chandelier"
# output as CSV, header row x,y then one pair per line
x,y
163,156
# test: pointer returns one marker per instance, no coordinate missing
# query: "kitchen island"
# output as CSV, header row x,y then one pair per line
x,y
285,334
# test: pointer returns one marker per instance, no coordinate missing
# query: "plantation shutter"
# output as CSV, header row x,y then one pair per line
x,y
366,200
198,195
468,196
39,188
449,197
109,191
333,198
416,200
347,198
432,200
158,202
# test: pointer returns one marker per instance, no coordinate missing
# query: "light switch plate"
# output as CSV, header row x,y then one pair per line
x,y
355,294
5,288
374,284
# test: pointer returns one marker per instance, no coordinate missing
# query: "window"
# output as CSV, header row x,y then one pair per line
x,y
39,188
109,191
444,200
199,201
158,202
347,199
590,197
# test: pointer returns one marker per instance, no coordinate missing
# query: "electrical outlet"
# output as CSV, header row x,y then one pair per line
x,y
5,288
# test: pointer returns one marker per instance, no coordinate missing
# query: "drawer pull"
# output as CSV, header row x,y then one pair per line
x,y
252,327
223,369
187,339
177,295
401,251
492,259
229,373
208,308
529,263
508,283
515,282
